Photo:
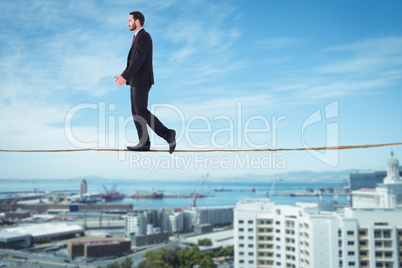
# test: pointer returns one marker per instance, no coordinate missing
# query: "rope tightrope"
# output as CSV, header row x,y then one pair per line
x,y
343,147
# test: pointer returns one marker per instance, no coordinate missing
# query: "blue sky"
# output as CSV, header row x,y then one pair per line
x,y
228,74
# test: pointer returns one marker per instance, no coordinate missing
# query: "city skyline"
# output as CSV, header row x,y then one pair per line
x,y
228,76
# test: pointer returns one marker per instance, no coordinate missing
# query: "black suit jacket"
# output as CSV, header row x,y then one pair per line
x,y
139,70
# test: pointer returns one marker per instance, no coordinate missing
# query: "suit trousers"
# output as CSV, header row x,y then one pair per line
x,y
143,117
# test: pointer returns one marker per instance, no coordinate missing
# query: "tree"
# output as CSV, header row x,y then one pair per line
x,y
127,263
225,252
204,242
113,265
177,258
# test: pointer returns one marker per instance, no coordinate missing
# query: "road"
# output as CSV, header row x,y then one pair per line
x,y
15,258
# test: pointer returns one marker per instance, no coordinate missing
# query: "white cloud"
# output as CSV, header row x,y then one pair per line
x,y
366,57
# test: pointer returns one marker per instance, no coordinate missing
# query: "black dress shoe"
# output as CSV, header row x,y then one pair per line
x,y
171,140
140,147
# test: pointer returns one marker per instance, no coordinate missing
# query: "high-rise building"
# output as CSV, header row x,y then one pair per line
x,y
308,235
136,223
177,222
84,187
315,235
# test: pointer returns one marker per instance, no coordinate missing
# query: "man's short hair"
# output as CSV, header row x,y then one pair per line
x,y
138,16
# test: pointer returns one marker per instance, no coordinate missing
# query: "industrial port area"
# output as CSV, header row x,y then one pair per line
x,y
76,227
71,228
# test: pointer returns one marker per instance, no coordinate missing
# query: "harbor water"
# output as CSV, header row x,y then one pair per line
x,y
216,193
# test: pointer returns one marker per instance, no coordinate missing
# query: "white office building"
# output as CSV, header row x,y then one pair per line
x,y
314,235
177,222
387,194
136,223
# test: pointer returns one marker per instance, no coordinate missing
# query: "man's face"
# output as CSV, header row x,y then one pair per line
x,y
131,23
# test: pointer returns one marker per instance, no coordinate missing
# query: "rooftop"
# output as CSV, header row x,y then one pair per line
x,y
108,240
219,239
366,190
45,229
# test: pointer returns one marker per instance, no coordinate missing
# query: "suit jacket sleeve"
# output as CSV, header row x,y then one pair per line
x,y
141,49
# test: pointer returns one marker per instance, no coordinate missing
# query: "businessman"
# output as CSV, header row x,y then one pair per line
x,y
139,75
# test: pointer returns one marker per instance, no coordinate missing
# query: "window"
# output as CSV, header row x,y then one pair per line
x,y
363,243
388,254
362,232
351,233
351,243
261,230
250,229
387,234
363,253
250,245
251,253
241,245
241,237
351,253
250,222
241,229
339,233
241,221
250,238
241,261
363,263
377,234
241,253
250,262
277,222
351,263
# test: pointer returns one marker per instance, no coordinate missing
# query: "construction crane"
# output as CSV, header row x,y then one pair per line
x,y
107,191
198,192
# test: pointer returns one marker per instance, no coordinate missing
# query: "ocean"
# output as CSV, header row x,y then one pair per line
x,y
230,194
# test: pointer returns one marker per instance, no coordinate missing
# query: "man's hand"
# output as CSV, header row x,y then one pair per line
x,y
120,80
